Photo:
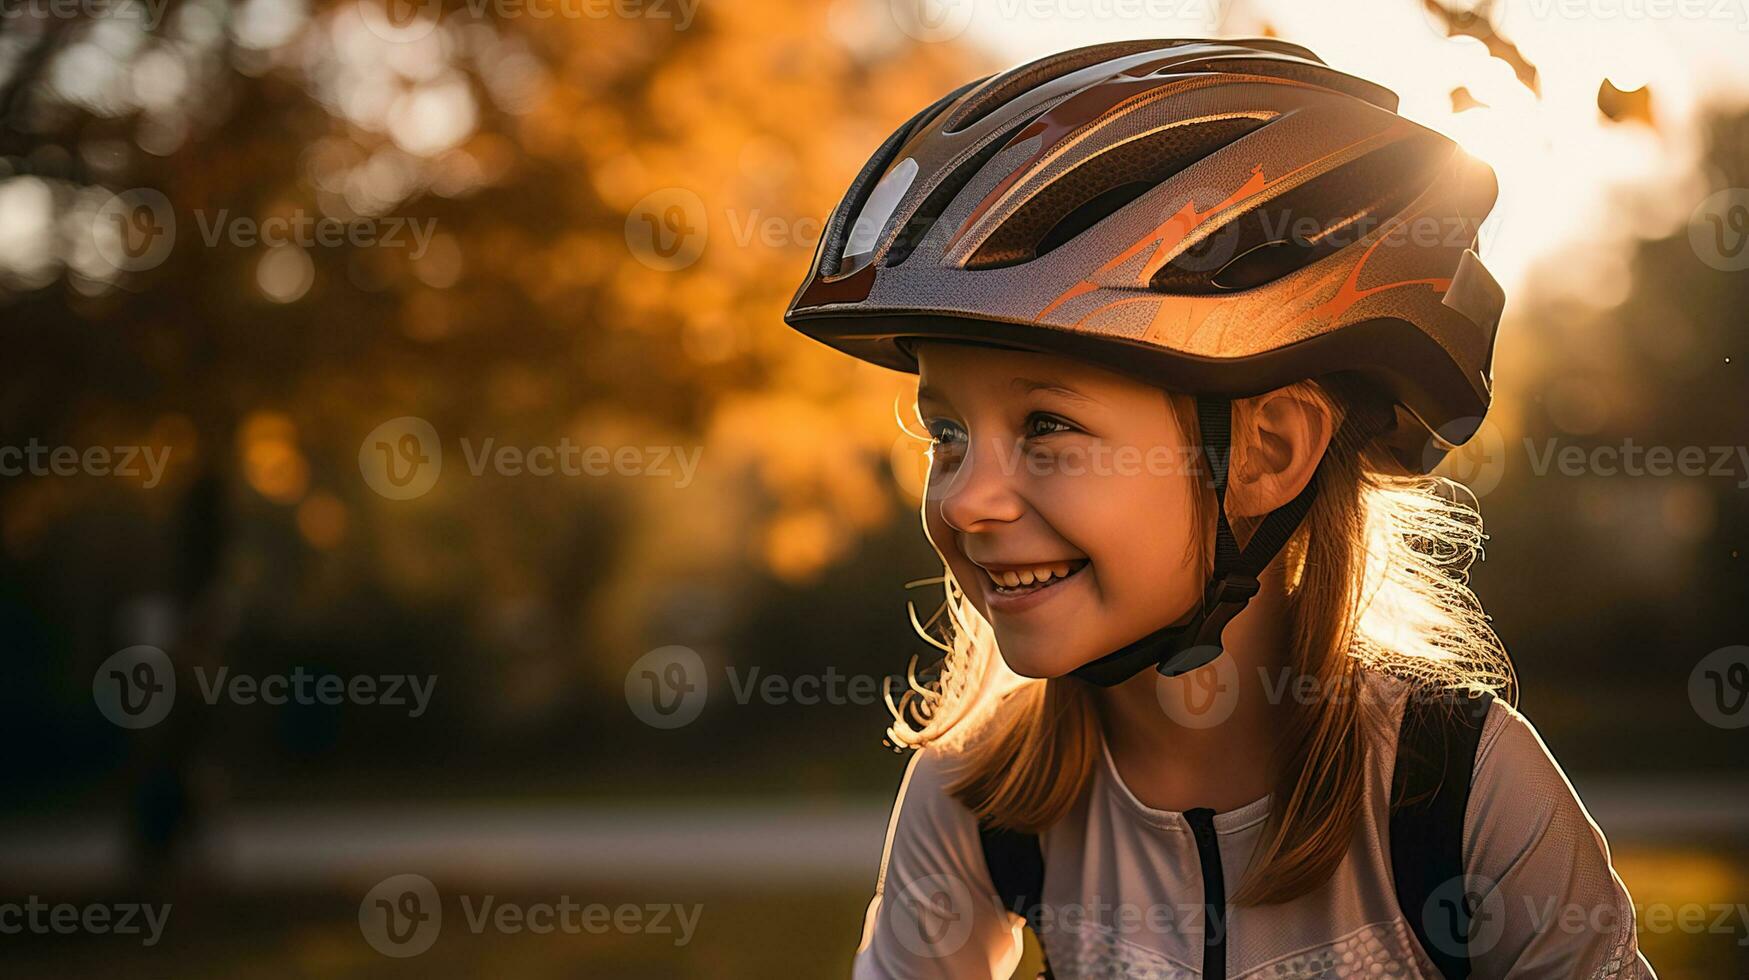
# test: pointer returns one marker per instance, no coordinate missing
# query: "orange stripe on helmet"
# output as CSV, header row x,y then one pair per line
x,y
1173,231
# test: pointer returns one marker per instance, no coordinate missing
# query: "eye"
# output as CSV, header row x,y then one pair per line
x,y
1040,424
943,433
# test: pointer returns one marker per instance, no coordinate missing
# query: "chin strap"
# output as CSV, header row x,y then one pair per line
x,y
1195,641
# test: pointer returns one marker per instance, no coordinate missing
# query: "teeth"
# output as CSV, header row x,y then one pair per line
x,y
1037,575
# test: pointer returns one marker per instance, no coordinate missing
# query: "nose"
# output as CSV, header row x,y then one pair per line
x,y
978,491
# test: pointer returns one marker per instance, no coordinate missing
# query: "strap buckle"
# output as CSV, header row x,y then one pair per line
x,y
1227,597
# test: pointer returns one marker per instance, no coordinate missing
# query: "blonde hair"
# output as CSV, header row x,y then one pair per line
x,y
1376,579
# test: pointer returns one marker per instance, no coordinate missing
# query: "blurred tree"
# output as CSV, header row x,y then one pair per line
x,y
497,164
1638,573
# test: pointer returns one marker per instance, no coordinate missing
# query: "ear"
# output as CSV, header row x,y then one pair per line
x,y
1284,434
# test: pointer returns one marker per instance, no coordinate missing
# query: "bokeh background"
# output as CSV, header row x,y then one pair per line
x,y
579,222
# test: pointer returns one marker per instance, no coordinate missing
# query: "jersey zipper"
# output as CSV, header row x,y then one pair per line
x,y
1214,893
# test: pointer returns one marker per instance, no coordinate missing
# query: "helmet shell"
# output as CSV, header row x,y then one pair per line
x,y
1212,216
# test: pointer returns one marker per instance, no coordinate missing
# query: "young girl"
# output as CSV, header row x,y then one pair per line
x,y
1192,322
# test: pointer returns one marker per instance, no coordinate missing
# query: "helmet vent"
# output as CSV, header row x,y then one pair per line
x,y
936,202
1100,186
832,242
1006,87
1267,263
1324,215
1302,66
1091,213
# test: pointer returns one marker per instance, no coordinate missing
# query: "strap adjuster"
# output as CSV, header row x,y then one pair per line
x,y
1227,597
1233,588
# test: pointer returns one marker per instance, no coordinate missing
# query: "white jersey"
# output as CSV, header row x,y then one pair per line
x,y
1124,883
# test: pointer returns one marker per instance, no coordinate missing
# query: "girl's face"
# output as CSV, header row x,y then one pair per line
x,y
1060,496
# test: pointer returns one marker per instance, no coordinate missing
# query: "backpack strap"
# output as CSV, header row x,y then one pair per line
x,y
1017,869
1430,788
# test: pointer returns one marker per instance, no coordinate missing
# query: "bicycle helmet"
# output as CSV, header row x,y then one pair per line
x,y
1215,216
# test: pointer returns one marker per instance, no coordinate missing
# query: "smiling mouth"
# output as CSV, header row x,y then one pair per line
x,y
1037,578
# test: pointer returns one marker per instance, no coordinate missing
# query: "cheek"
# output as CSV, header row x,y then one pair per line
x,y
1138,532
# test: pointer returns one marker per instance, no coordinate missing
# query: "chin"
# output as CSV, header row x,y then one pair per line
x,y
1027,660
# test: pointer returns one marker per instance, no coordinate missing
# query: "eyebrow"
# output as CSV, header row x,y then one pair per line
x,y
1024,386
1030,385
